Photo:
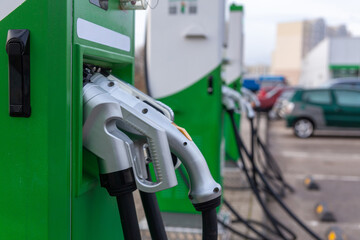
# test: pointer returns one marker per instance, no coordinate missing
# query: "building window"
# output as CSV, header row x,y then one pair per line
x,y
192,9
346,71
172,10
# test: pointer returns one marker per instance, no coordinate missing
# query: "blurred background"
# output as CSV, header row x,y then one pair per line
x,y
281,36
302,60
269,92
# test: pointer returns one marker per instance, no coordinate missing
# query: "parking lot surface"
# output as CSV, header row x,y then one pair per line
x,y
332,158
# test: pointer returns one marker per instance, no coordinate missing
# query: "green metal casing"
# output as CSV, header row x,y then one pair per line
x,y
233,74
183,70
234,7
202,119
49,183
231,150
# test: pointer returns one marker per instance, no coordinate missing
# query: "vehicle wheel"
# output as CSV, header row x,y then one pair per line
x,y
303,128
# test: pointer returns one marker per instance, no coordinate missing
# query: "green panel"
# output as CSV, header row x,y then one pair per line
x,y
201,116
235,7
50,190
340,71
113,18
35,151
344,66
58,77
231,151
94,212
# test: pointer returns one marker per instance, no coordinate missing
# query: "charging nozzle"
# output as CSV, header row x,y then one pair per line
x,y
233,100
100,135
204,192
161,107
141,113
103,114
251,97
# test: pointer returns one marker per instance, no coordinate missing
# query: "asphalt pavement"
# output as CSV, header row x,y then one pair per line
x,y
332,158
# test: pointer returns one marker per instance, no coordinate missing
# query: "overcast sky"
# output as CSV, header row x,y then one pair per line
x,y
262,16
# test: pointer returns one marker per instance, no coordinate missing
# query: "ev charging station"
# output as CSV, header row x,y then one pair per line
x,y
75,131
50,187
233,70
184,50
73,120
235,47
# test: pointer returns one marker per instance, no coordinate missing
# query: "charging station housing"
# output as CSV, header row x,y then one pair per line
x,y
184,50
50,187
233,71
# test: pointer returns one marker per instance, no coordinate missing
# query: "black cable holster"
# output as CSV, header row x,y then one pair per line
x,y
118,183
208,205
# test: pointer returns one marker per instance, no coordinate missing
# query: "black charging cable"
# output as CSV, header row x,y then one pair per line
x,y
152,213
249,223
257,187
279,227
269,165
237,215
121,184
208,212
265,182
272,168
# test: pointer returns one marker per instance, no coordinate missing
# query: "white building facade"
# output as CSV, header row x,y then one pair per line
x,y
332,58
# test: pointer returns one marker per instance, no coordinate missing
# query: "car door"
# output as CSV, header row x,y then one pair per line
x,y
348,107
319,104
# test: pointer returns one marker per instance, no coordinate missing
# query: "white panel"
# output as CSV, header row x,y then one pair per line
x,y
345,51
98,34
7,7
183,47
315,66
234,50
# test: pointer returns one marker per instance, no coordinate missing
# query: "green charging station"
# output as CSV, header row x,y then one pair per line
x,y
184,50
50,187
233,71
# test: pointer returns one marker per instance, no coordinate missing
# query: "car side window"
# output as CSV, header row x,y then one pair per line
x,y
347,98
318,97
345,85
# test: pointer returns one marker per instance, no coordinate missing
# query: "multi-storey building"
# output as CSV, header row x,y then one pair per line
x,y
295,40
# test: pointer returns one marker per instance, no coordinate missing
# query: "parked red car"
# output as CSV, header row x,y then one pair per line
x,y
268,96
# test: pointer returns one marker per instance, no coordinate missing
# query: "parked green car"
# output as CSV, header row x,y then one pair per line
x,y
323,108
